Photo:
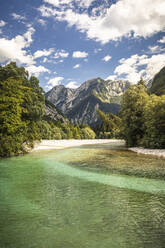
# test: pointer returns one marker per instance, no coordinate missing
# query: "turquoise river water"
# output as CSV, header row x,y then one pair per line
x,y
98,196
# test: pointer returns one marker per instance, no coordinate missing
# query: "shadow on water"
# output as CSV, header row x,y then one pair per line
x,y
82,197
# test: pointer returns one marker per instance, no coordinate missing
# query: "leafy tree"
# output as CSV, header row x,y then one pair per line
x,y
87,133
21,109
154,122
134,100
12,127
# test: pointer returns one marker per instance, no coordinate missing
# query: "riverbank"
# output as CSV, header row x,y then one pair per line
x,y
61,144
154,152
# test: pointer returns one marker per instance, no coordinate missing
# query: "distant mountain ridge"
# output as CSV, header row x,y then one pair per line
x,y
80,104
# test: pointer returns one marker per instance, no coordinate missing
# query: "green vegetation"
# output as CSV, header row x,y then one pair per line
x,y
21,108
22,114
110,126
23,119
143,118
158,84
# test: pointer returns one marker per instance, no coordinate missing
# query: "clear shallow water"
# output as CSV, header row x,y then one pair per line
x,y
88,197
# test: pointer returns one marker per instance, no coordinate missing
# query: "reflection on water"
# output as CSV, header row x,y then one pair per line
x,y
82,198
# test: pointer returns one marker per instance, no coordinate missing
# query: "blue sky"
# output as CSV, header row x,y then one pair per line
x,y
70,41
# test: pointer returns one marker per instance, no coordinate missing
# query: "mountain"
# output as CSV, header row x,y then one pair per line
x,y
158,84
51,112
80,104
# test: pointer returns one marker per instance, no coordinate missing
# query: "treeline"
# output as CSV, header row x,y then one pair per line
x,y
22,114
56,130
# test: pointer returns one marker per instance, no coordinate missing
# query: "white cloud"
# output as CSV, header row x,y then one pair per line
x,y
107,58
36,70
41,21
45,60
97,50
141,18
84,3
43,53
153,64
61,54
14,49
79,54
18,17
58,3
111,77
162,40
72,85
76,66
2,23
54,81
132,67
156,49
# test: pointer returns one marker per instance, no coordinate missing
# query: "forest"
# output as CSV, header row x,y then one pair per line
x,y
141,121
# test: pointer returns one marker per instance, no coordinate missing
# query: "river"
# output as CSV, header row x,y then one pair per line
x,y
97,196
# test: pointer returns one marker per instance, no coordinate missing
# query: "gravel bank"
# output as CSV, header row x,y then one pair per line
x,y
155,152
60,144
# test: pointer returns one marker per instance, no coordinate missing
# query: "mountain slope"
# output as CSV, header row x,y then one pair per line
x,y
51,112
80,105
158,84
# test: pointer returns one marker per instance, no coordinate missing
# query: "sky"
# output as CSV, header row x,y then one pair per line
x,y
70,41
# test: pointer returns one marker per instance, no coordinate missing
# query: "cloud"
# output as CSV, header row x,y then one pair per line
x,y
36,70
132,70
41,21
15,49
111,77
84,3
162,40
43,53
141,18
18,17
54,81
76,66
107,58
156,49
72,85
2,23
97,50
58,3
61,54
79,54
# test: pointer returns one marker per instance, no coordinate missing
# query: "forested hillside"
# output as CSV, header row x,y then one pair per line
x,y
158,84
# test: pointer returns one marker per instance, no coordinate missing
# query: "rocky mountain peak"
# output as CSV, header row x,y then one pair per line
x,y
80,104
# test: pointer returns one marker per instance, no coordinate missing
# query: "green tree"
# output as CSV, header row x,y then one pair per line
x,y
21,109
134,101
12,128
154,122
